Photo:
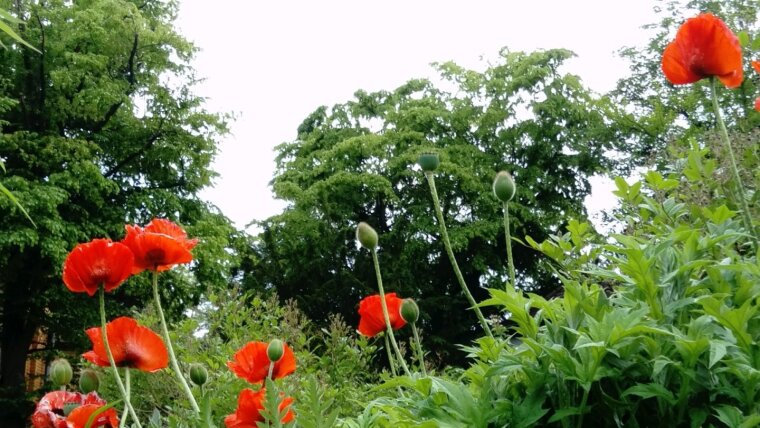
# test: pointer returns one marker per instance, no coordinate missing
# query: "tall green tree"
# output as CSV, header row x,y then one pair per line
x,y
103,129
356,162
655,114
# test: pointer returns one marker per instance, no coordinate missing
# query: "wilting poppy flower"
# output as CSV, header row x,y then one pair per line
x,y
371,321
78,417
250,405
159,245
704,47
49,412
252,364
132,345
96,263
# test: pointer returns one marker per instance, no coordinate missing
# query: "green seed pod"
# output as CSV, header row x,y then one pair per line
x,y
61,372
366,236
504,186
429,162
69,407
275,350
88,381
409,311
198,374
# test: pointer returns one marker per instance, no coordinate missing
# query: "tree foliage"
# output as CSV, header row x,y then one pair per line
x,y
356,162
101,129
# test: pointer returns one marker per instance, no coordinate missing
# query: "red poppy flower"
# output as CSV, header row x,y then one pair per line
x,y
96,263
757,103
371,321
756,66
49,410
252,364
250,405
132,345
78,417
159,245
704,47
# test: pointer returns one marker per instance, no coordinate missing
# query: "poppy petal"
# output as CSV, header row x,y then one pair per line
x,y
131,345
158,246
98,262
252,363
78,417
371,319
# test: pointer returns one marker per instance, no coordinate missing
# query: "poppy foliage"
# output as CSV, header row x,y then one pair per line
x,y
49,412
132,345
97,263
704,47
159,245
250,405
371,320
252,363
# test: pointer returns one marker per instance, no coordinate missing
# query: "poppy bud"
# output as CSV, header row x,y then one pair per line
x,y
366,236
504,186
61,372
409,311
198,374
275,350
428,162
88,381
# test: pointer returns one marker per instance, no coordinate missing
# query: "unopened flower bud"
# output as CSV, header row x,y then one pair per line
x,y
198,374
88,381
428,162
366,236
504,186
409,311
61,372
275,350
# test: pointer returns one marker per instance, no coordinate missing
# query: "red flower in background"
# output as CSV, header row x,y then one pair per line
x,y
132,345
250,405
159,245
252,364
704,47
371,321
78,417
49,410
96,263
756,66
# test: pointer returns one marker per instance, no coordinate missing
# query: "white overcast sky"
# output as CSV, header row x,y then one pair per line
x,y
274,62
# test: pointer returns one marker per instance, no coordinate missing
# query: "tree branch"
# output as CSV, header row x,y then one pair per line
x,y
145,147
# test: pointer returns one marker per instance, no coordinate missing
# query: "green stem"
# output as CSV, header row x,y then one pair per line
x,y
420,354
104,333
583,407
271,370
509,245
384,305
391,360
127,384
734,169
172,357
452,259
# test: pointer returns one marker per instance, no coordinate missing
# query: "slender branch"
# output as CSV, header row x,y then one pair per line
x,y
420,354
391,360
125,414
452,259
167,339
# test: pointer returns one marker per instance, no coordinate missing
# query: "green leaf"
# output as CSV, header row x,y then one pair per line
x,y
717,352
9,31
650,390
13,199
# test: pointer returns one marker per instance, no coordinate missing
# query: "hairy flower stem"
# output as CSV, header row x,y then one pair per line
x,y
172,357
384,305
420,354
734,169
271,370
125,414
509,245
450,252
104,333
391,360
